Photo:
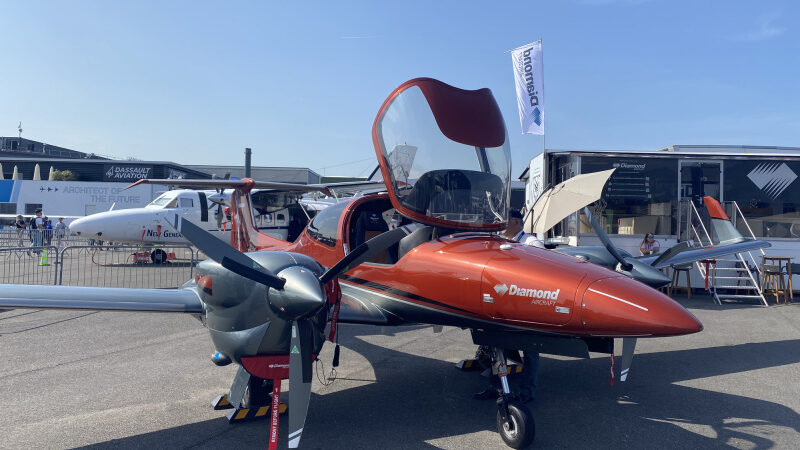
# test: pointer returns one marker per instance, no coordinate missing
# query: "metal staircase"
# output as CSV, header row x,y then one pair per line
x,y
735,277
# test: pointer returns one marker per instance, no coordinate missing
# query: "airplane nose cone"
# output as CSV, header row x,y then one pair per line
x,y
620,306
85,226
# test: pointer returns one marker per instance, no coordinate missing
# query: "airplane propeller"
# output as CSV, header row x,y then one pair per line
x,y
632,267
294,293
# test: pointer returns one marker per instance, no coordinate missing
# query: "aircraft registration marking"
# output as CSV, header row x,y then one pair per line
x,y
618,299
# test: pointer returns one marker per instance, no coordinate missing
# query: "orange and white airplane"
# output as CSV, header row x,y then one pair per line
x,y
444,157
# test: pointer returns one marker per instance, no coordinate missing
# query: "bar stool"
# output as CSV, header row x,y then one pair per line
x,y
665,288
773,281
791,269
676,276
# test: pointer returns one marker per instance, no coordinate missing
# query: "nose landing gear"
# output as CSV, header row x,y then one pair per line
x,y
515,422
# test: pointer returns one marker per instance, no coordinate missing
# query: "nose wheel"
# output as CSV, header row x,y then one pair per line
x,y
514,420
515,423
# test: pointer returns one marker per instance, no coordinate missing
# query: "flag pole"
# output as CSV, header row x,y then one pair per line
x,y
545,178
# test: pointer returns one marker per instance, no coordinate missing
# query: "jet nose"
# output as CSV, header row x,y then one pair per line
x,y
621,306
85,226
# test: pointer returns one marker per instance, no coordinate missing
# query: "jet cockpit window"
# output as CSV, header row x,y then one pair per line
x,y
456,184
186,202
165,200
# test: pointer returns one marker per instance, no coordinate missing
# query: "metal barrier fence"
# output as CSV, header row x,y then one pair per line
x,y
124,266
27,237
29,265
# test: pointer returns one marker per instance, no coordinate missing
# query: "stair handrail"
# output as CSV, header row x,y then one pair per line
x,y
744,219
700,219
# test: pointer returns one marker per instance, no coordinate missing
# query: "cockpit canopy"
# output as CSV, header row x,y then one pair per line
x,y
444,155
166,200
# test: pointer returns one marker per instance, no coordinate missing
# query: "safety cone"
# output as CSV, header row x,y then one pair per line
x,y
43,261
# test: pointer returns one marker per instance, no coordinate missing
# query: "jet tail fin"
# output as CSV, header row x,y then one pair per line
x,y
722,229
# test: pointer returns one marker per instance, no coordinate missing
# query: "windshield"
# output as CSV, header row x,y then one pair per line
x,y
466,186
165,200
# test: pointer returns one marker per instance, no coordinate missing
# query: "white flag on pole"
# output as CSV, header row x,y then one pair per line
x,y
529,77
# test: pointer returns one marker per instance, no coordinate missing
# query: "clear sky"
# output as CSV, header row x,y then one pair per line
x,y
300,82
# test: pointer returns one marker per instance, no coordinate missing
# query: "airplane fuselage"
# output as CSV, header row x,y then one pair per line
x,y
148,225
483,280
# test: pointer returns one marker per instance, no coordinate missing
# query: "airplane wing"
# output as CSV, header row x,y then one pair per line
x,y
725,240
237,184
690,255
327,189
104,299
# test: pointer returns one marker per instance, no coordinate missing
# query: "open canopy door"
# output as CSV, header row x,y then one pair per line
x,y
444,155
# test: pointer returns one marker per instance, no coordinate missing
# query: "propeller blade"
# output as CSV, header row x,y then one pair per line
x,y
606,241
230,258
628,346
299,379
632,267
365,252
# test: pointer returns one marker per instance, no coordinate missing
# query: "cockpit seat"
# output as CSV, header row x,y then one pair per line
x,y
369,225
417,237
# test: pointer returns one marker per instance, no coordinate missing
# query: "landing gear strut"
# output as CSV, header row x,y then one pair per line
x,y
514,420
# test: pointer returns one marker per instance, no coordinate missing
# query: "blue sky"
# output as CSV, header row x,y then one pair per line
x,y
300,82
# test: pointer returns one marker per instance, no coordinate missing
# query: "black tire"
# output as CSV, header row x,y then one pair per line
x,y
520,429
158,256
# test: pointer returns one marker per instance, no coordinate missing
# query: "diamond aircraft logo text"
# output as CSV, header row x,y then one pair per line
x,y
501,289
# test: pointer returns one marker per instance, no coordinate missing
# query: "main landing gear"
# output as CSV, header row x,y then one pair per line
x,y
514,420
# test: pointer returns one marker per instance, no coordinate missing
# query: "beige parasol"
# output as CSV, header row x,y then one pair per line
x,y
558,202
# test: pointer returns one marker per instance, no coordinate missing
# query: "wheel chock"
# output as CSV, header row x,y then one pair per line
x,y
468,365
221,402
514,368
259,412
473,364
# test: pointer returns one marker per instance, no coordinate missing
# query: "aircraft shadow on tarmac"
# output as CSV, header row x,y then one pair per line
x,y
416,400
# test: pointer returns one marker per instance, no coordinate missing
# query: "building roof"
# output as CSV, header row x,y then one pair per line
x,y
715,151
23,147
302,175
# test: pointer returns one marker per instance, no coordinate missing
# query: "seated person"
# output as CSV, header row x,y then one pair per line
x,y
649,245
515,232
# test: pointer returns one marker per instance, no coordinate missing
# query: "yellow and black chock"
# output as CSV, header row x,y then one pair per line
x,y
473,364
244,414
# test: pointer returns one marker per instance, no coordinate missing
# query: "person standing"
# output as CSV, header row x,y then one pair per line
x,y
61,231
37,229
19,224
48,231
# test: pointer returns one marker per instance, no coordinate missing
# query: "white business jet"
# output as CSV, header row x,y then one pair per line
x,y
278,214
279,210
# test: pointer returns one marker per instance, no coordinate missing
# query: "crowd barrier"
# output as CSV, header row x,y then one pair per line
x,y
28,237
123,266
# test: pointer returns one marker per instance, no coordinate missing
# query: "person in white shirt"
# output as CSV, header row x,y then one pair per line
x,y
515,232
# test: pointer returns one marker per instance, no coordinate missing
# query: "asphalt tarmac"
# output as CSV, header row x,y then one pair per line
x,y
130,380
